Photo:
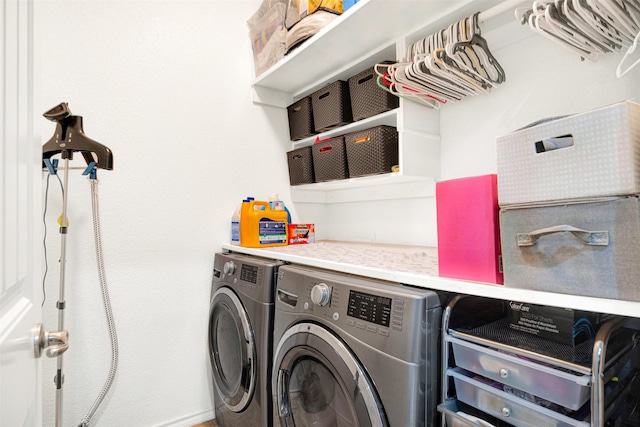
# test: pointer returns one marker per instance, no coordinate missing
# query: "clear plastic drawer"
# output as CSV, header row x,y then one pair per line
x,y
506,406
571,390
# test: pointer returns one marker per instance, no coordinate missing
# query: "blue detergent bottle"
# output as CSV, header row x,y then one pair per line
x,y
278,205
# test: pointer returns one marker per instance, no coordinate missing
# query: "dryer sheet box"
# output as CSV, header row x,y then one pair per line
x,y
592,154
468,229
582,247
302,234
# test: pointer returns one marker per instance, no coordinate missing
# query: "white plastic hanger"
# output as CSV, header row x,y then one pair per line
x,y
630,50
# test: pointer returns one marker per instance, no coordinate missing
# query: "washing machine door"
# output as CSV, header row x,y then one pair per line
x,y
231,350
319,382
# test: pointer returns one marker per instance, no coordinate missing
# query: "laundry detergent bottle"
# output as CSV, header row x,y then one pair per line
x,y
260,226
278,205
235,222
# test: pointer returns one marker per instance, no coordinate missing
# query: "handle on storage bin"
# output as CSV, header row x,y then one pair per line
x,y
593,238
363,139
365,79
327,148
553,143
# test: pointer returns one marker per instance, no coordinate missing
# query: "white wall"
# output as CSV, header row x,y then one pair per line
x,y
165,85
543,80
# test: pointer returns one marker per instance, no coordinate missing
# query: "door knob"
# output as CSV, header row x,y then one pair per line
x,y
56,343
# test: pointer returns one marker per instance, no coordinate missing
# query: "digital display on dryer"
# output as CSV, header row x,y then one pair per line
x,y
371,308
249,273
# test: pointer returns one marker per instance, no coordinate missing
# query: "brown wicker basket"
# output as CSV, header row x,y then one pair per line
x,y
367,98
331,106
300,163
372,151
330,160
300,119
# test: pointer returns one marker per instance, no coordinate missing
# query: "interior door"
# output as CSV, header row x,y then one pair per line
x,y
20,183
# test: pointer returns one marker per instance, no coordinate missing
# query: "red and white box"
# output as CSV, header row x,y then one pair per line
x,y
302,234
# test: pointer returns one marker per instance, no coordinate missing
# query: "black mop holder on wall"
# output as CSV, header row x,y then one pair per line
x,y
67,139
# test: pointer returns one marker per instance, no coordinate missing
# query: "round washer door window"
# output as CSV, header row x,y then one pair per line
x,y
318,382
231,350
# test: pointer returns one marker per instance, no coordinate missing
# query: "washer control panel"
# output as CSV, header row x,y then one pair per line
x,y
369,307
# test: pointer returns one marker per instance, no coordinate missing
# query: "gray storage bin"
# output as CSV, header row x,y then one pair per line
x,y
592,154
589,248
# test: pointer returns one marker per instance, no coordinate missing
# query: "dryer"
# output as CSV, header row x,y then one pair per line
x,y
240,338
351,351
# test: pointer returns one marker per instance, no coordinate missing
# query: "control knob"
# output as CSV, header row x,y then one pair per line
x,y
320,294
229,267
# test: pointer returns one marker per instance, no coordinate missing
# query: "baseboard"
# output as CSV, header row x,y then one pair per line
x,y
189,420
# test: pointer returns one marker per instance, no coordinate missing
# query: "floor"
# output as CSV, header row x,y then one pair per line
x,y
211,423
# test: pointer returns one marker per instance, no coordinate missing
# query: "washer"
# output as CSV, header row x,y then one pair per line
x,y
240,338
351,351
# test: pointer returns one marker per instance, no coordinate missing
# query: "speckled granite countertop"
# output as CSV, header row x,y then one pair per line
x,y
418,266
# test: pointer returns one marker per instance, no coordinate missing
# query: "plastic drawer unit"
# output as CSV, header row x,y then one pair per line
x,y
508,377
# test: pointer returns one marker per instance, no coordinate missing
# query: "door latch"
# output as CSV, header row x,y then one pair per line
x,y
56,343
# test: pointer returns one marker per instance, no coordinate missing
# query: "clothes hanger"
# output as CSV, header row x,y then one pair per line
x,y
69,137
630,50
563,30
588,29
617,12
433,83
417,97
598,23
438,83
538,24
573,21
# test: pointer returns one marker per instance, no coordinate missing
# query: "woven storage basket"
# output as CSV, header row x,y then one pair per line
x,y
372,151
300,163
330,160
367,98
331,106
300,119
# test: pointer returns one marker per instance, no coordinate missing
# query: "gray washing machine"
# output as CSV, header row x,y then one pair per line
x,y
350,351
240,339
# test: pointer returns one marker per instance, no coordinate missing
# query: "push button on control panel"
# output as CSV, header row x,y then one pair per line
x,y
397,314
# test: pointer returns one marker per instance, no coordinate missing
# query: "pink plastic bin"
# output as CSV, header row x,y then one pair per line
x,y
468,229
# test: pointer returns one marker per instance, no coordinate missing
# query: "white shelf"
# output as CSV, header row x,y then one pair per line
x,y
326,258
369,29
388,118
387,186
418,161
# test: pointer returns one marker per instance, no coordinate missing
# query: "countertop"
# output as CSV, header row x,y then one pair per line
x,y
418,266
